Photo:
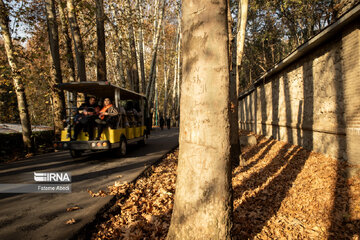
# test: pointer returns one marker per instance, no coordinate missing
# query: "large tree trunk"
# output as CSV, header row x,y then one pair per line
x,y
56,76
203,207
141,46
155,48
68,47
79,49
100,33
17,78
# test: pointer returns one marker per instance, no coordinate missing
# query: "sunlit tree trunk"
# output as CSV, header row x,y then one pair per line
x,y
56,76
155,48
240,37
203,207
174,93
141,46
17,78
166,73
79,49
178,83
68,46
100,33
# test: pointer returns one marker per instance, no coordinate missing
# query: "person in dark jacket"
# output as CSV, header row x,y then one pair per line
x,y
162,122
85,118
168,123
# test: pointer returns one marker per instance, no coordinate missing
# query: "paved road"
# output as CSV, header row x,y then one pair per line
x,y
43,215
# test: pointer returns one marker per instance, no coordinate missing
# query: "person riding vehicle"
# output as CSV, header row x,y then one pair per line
x,y
108,116
85,118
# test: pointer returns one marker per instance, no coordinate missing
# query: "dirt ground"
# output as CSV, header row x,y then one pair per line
x,y
283,192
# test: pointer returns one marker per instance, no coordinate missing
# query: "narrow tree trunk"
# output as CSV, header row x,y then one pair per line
x,y
79,49
68,47
141,46
134,74
174,93
234,94
118,41
203,207
165,79
56,76
240,37
234,128
17,78
100,33
155,48
178,94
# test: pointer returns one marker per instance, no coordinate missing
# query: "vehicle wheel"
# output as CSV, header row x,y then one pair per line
x,y
75,153
121,151
142,142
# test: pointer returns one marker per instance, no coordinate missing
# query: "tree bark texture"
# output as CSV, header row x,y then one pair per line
x,y
56,75
67,38
100,33
79,49
17,78
203,206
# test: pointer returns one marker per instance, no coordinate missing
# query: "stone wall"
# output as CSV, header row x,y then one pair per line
x,y
314,100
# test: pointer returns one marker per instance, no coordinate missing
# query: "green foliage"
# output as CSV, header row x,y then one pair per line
x,y
275,28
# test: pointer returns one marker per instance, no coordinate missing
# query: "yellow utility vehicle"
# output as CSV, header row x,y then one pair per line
x,y
124,132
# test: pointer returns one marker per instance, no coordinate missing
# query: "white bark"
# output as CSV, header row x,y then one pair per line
x,y
202,205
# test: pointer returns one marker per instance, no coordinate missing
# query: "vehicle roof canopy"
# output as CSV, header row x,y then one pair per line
x,y
99,89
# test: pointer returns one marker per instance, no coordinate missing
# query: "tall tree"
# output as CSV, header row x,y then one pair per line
x,y
234,81
58,99
141,45
203,207
118,40
67,40
79,49
100,33
16,76
160,17
240,38
133,71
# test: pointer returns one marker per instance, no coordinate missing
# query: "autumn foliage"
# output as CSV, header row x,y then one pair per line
x,y
283,192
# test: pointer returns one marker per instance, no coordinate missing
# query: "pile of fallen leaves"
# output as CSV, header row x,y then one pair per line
x,y
283,192
146,208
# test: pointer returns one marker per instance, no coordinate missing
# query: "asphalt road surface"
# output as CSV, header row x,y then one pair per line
x,y
44,215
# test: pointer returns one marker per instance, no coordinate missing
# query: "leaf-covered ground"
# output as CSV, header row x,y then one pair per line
x,y
283,192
